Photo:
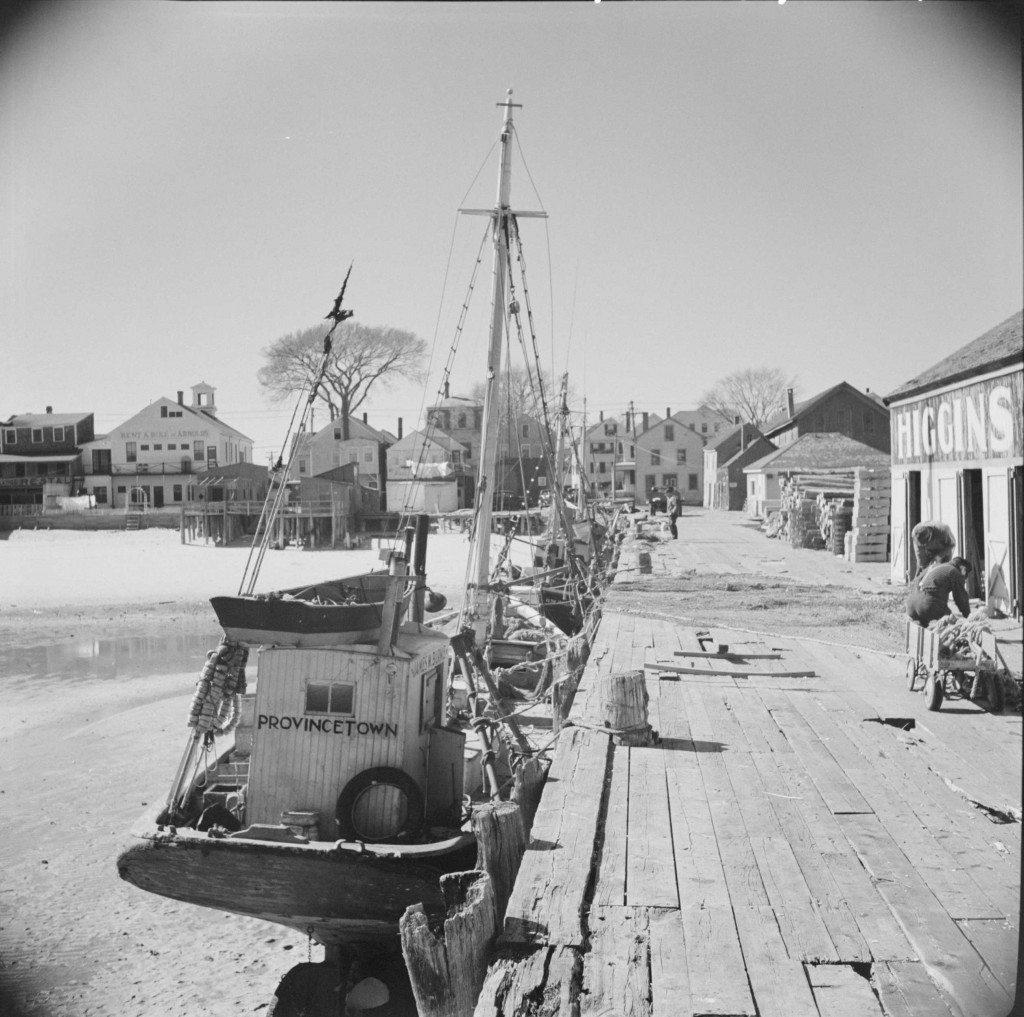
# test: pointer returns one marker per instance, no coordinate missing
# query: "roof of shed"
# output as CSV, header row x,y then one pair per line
x,y
824,451
998,347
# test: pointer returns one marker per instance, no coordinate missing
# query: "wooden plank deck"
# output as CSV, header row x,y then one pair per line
x,y
780,851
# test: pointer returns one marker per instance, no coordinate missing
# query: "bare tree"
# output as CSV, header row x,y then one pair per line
x,y
755,393
361,356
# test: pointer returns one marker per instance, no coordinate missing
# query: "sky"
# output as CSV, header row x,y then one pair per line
x,y
831,189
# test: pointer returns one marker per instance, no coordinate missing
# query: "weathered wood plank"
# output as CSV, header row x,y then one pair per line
x,y
803,930
616,972
778,982
650,866
998,943
906,990
839,792
670,976
950,883
547,901
840,992
517,978
951,960
699,873
713,960
610,889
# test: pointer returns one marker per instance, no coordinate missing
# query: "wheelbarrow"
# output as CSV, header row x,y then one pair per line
x,y
975,677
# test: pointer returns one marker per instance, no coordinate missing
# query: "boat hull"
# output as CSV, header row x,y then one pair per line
x,y
309,616
337,894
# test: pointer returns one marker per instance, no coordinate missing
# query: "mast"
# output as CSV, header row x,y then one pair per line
x,y
481,551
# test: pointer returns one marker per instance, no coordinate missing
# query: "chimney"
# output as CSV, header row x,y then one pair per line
x,y
399,427
365,421
743,436
181,397
736,419
789,401
600,416
49,410
647,418
628,422
668,412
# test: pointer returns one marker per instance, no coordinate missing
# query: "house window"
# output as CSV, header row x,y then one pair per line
x,y
869,423
121,489
526,430
655,456
100,494
130,455
368,455
693,482
10,437
717,426
462,420
158,448
171,446
198,450
353,456
669,480
592,466
703,428
100,460
176,492
670,432
302,466
457,460
333,697
602,467
526,452
609,429
58,434
163,411
37,435
680,456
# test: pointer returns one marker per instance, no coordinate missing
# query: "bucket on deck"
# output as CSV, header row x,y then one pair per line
x,y
304,824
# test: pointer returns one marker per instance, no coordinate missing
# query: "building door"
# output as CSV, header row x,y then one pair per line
x,y
1016,499
158,497
971,530
912,507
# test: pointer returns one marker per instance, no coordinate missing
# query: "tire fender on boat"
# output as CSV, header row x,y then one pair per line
x,y
349,823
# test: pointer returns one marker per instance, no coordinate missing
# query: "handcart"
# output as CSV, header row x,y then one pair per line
x,y
975,677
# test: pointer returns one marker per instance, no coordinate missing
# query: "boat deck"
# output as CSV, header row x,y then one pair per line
x,y
783,850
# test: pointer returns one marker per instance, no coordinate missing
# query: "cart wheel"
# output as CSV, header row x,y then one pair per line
x,y
995,693
912,674
934,687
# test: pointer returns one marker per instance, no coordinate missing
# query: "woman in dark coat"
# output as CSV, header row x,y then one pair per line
x,y
928,599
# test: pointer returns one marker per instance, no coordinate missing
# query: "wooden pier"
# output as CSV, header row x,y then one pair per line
x,y
804,841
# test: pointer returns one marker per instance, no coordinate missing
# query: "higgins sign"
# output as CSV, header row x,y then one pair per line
x,y
979,421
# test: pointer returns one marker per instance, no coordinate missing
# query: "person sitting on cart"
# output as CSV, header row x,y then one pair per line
x,y
928,599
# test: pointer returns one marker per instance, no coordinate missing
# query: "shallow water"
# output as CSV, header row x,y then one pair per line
x,y
83,659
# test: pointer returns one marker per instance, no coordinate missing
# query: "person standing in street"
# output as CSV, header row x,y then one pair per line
x,y
674,511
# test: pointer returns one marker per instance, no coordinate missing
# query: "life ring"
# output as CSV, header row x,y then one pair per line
x,y
379,804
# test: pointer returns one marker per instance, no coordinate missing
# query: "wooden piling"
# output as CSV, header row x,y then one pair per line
x,y
624,707
501,842
527,786
447,972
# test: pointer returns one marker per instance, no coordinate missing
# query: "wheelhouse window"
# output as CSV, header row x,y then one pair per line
x,y
330,697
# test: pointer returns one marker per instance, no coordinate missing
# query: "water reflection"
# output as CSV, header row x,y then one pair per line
x,y
84,659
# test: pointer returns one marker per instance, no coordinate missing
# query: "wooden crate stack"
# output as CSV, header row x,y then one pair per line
x,y
834,520
872,499
803,497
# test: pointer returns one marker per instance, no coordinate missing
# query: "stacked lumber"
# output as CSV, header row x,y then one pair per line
x,y
834,521
868,540
803,495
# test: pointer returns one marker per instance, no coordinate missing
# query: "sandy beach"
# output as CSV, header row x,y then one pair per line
x,y
102,638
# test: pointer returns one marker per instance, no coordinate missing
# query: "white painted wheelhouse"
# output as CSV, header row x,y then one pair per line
x,y
355,737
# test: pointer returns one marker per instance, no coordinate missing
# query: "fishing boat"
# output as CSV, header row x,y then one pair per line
x,y
342,792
